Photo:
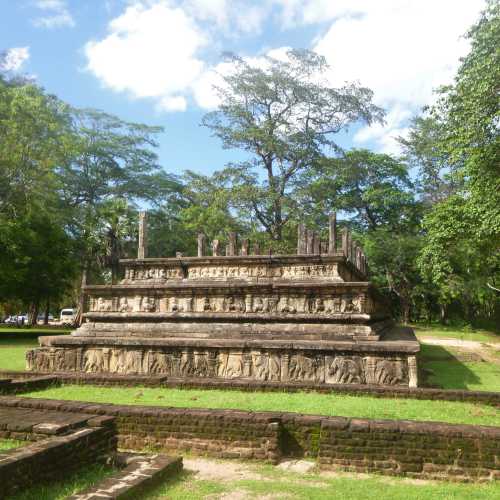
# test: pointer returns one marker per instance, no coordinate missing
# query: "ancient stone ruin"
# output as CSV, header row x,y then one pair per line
x,y
311,317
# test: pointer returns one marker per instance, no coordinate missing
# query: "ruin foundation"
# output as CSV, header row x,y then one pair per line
x,y
308,317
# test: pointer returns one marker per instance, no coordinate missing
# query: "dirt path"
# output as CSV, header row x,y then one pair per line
x,y
483,349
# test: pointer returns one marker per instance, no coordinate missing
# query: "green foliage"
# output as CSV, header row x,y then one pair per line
x,y
283,114
461,255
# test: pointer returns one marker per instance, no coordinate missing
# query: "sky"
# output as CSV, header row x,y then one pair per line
x,y
155,61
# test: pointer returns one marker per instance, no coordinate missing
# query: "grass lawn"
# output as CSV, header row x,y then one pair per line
x,y
14,342
444,368
301,402
12,352
266,481
8,444
33,330
453,332
73,483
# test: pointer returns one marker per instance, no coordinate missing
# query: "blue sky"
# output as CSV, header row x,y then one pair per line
x,y
154,61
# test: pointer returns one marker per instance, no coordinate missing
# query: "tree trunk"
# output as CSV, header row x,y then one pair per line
x,y
78,318
406,311
47,307
442,313
33,313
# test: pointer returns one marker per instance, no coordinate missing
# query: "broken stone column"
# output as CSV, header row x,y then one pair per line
x,y
201,244
332,236
244,246
231,246
215,247
301,239
316,244
345,242
309,241
143,241
255,249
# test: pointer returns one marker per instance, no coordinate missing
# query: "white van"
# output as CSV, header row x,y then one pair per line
x,y
67,316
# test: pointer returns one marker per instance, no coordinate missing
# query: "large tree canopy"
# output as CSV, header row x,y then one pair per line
x,y
284,114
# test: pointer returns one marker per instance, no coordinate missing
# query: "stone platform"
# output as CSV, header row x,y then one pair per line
x,y
308,317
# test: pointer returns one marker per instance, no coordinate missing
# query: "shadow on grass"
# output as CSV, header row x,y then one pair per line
x,y
440,368
20,336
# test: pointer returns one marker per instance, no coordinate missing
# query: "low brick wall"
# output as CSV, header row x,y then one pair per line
x,y
425,393
407,448
20,385
413,449
54,457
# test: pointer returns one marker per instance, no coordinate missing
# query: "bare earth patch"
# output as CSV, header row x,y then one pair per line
x,y
213,470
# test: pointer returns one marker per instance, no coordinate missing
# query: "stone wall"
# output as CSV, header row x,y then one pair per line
x,y
414,449
34,381
266,364
54,457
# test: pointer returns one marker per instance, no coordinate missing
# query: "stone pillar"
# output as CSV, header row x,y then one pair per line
x,y
247,364
212,363
345,242
316,244
412,371
232,244
285,359
301,239
370,368
332,236
255,249
244,246
248,303
143,236
201,244
309,241
215,247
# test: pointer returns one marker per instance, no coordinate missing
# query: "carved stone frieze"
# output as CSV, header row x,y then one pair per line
x,y
256,364
282,304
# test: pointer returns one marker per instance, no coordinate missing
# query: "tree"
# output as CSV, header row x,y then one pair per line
x,y
375,189
37,260
33,135
437,179
109,168
461,255
283,114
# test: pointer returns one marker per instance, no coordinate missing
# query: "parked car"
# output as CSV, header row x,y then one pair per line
x,y
67,316
41,317
19,319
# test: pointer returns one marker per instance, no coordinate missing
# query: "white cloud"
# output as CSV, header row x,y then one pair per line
x,y
173,103
57,14
401,49
14,58
151,51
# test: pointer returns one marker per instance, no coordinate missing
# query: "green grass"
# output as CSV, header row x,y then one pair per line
x,y
34,330
82,479
9,444
453,332
14,342
12,352
272,482
443,369
301,402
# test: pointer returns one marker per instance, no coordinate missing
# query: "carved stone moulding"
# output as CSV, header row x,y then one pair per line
x,y
251,301
324,268
258,364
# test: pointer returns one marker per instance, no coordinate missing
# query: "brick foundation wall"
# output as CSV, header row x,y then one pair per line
x,y
54,457
408,448
424,393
